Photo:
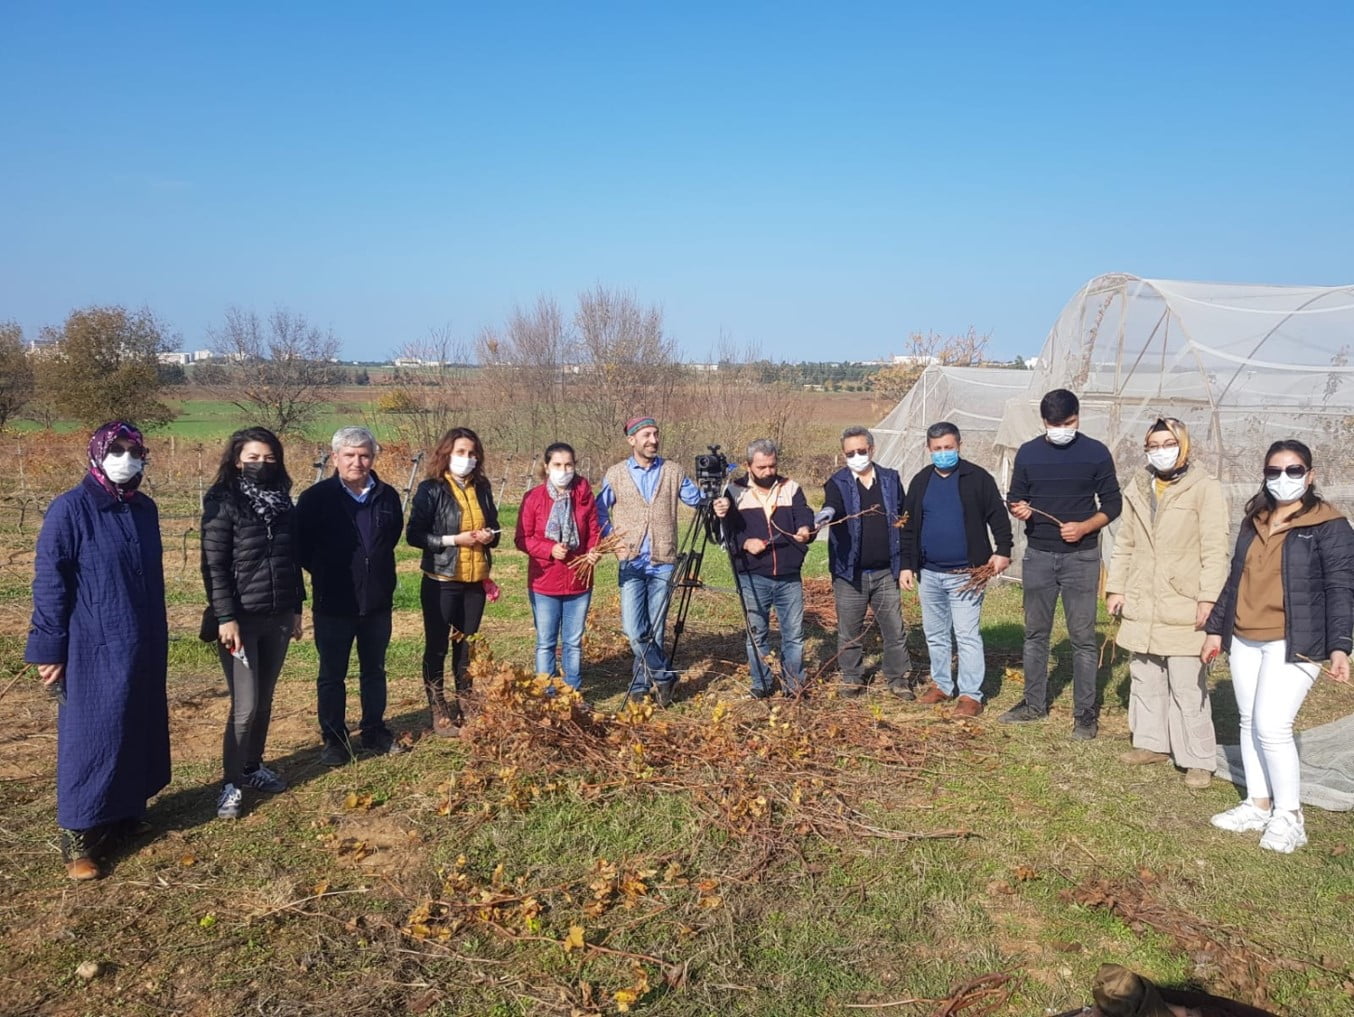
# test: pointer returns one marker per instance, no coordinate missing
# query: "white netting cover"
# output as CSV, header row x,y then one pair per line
x,y
971,398
1242,365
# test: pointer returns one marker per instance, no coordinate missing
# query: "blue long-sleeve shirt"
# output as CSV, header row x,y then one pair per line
x,y
1072,482
646,480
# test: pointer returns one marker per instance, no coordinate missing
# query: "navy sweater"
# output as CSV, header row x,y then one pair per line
x,y
1071,482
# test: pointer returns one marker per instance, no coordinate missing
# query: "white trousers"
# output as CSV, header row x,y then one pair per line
x,y
1269,693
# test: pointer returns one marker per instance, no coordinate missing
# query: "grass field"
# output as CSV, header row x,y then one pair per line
x,y
545,867
213,420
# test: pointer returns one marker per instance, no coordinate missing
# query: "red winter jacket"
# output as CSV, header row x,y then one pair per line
x,y
544,573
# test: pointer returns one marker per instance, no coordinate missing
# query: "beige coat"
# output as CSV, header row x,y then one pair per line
x,y
1165,565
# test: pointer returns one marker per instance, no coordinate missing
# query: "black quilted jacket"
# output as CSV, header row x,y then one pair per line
x,y
435,512
248,567
1318,589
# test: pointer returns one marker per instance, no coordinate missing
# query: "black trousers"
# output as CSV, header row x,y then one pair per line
x,y
334,637
451,614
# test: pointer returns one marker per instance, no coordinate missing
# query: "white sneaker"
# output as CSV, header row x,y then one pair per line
x,y
228,805
1285,833
264,779
1242,819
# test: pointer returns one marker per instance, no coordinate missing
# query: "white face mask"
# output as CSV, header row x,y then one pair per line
x,y
1163,460
1286,488
561,478
462,466
859,463
1061,435
121,468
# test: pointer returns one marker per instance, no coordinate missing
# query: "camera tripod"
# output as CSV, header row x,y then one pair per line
x,y
703,529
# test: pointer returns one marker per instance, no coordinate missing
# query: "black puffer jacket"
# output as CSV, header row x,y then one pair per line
x,y
434,512
248,567
1318,590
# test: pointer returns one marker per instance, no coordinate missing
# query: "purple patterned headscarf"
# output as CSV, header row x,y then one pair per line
x,y
110,432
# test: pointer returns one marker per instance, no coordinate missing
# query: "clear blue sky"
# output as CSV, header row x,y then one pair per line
x,y
816,179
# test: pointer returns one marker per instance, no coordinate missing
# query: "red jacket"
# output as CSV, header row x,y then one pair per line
x,y
544,573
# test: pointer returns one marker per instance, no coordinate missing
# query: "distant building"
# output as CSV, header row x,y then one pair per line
x,y
199,355
174,358
907,360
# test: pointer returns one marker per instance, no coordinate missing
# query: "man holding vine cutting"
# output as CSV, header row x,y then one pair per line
x,y
770,522
1065,490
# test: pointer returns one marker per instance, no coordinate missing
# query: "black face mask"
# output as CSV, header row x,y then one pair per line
x,y
264,474
765,482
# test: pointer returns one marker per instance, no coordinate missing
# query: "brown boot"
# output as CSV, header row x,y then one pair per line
x,y
932,695
1142,757
968,707
82,869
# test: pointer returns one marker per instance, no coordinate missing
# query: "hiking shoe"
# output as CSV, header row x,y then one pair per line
x,y
264,779
900,688
1285,833
382,744
850,690
759,694
1243,818
229,804
1021,713
662,692
1142,757
968,707
1198,778
1085,732
336,754
933,694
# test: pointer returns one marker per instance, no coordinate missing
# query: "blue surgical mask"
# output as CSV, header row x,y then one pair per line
x,y
947,459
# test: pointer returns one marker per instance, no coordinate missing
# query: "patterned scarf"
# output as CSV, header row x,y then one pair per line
x,y
99,442
267,502
561,527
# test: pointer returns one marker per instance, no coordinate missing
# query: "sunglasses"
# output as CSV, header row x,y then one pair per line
x,y
118,448
1296,471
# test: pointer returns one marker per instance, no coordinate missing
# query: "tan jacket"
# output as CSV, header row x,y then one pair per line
x,y
1165,565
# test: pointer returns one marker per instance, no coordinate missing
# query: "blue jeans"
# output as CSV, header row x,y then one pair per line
x,y
644,617
945,609
560,620
786,595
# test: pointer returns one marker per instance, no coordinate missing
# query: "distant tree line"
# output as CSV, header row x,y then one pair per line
x,y
103,363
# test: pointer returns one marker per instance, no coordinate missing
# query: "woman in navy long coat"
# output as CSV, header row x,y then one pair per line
x,y
100,639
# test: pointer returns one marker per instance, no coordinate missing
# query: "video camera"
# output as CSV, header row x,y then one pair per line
x,y
711,471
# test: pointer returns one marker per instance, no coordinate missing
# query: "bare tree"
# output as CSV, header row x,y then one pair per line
x,y
279,372
429,389
16,373
924,349
103,364
525,365
629,364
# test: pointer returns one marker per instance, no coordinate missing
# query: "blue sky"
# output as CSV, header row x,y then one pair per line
x,y
817,180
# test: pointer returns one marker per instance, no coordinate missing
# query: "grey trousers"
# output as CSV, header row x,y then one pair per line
x,y
265,639
877,591
1075,575
1169,711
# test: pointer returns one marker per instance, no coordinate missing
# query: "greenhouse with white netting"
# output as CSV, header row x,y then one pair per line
x,y
1242,365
